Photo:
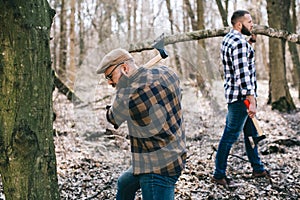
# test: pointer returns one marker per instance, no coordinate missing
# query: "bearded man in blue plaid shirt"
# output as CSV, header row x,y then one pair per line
x,y
237,57
149,100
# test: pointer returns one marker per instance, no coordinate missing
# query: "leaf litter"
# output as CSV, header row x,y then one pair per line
x,y
91,155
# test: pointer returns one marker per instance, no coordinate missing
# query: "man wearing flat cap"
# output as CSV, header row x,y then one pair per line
x,y
150,101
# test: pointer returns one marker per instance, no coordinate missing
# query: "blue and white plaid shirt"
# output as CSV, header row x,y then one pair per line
x,y
239,67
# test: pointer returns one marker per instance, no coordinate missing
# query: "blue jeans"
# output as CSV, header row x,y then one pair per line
x,y
236,120
153,186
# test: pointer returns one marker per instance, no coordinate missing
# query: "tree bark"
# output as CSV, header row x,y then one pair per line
x,y
27,153
128,17
135,24
291,26
223,11
82,49
279,95
175,49
62,64
210,33
191,14
71,75
54,37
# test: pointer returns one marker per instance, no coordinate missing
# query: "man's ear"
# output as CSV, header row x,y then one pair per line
x,y
239,25
124,69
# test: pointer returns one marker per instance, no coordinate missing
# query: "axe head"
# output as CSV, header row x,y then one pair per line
x,y
258,139
255,140
159,44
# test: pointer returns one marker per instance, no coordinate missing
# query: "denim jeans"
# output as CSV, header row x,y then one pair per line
x,y
153,186
236,120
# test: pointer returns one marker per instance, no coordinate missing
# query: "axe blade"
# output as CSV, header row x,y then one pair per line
x,y
160,46
258,139
255,139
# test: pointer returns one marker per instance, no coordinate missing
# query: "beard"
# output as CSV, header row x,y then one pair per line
x,y
245,31
124,82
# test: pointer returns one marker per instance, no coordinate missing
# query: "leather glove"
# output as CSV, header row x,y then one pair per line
x,y
107,112
107,116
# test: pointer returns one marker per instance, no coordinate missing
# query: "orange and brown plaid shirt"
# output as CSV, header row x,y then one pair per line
x,y
150,102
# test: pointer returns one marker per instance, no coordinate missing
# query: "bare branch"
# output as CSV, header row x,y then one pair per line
x,y
209,33
275,33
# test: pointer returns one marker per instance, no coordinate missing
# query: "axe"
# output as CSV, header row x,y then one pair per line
x,y
159,45
255,140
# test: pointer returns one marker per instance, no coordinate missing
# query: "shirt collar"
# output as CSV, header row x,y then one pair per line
x,y
233,31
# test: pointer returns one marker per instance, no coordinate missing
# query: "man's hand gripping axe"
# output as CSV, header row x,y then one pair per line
x,y
255,140
159,44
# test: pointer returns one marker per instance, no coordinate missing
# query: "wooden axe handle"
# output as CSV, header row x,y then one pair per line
x,y
153,61
254,120
259,130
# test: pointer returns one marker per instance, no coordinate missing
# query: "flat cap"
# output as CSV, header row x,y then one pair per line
x,y
114,57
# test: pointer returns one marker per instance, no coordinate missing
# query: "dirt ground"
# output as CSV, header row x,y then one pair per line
x,y
90,158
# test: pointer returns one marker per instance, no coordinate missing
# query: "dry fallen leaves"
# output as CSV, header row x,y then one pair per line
x,y
90,159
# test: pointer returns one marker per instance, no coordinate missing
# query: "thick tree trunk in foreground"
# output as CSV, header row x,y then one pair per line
x,y
27,153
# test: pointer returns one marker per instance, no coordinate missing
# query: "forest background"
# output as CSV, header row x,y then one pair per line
x,y
90,154
84,31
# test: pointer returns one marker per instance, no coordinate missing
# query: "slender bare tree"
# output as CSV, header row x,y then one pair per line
x,y
62,64
71,72
175,49
291,26
82,49
223,11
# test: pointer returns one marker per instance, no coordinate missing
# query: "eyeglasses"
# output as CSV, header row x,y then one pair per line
x,y
109,76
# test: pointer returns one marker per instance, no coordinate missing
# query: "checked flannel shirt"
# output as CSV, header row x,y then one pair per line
x,y
239,67
149,101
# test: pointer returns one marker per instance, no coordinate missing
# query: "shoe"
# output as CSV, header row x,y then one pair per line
x,y
225,182
263,174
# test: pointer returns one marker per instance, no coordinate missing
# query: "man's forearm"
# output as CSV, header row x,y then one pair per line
x,y
251,99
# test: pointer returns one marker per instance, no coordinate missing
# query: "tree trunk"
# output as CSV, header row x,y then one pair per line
x,y
128,17
135,24
223,12
292,22
102,21
196,24
203,66
27,153
54,36
175,49
81,33
279,95
62,64
71,75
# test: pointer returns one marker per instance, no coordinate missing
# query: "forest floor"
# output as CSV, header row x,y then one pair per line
x,y
91,155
